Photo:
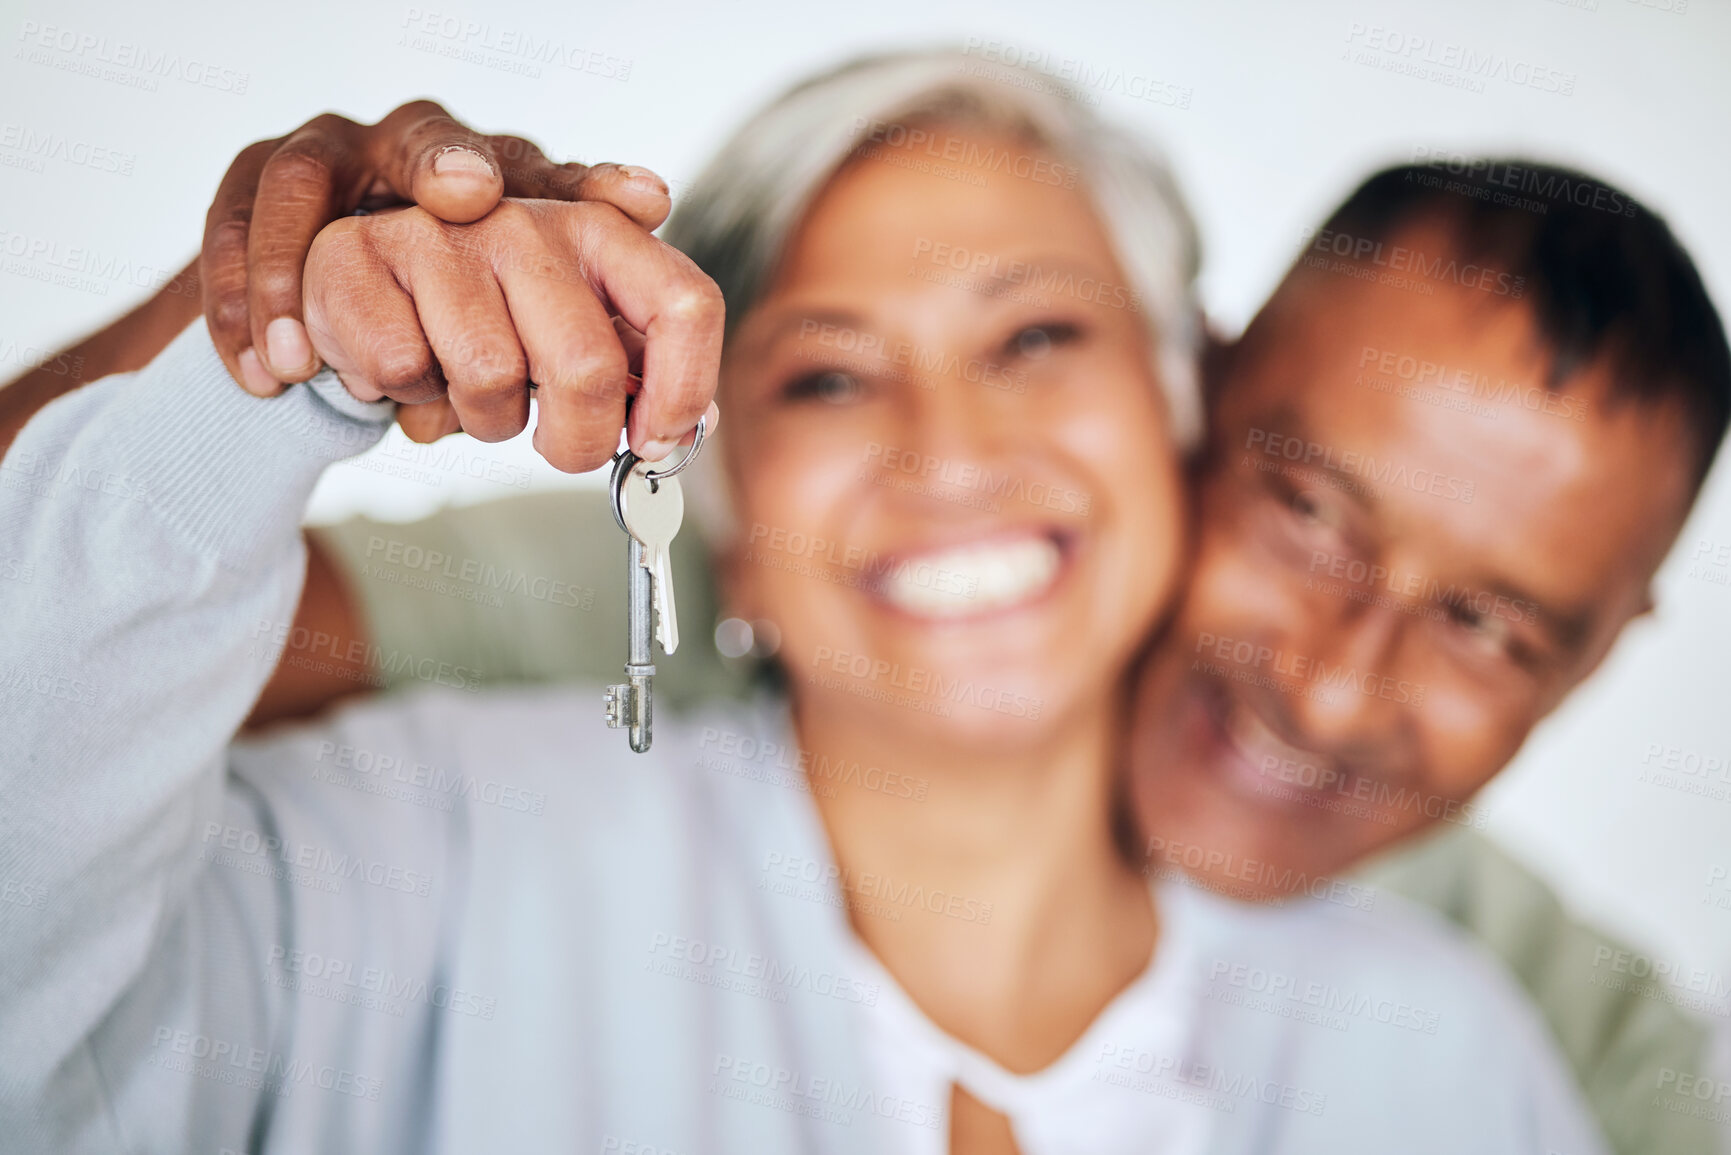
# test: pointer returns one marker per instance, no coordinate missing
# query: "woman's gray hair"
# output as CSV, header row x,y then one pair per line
x,y
738,215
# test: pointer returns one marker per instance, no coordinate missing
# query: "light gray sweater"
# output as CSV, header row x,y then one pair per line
x,y
463,921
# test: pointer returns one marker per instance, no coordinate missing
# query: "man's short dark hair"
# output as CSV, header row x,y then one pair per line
x,y
1605,277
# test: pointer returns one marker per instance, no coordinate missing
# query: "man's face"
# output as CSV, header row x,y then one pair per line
x,y
1408,553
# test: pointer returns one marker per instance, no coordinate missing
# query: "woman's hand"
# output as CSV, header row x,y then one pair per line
x,y
279,193
407,306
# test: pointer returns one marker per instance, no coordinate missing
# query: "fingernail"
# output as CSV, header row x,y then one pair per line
x,y
658,450
459,161
711,418
643,179
254,376
285,339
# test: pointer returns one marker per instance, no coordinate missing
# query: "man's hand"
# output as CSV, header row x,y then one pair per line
x,y
279,193
407,306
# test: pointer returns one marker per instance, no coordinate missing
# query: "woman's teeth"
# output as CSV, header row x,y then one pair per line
x,y
973,579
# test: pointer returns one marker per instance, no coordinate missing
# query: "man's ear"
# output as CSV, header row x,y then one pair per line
x,y
1644,608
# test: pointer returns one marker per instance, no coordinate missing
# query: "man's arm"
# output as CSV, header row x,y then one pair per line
x,y
126,346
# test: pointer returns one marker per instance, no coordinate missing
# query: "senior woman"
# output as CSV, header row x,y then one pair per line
x,y
584,949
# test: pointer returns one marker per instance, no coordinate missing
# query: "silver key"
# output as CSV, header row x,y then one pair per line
x,y
653,511
650,509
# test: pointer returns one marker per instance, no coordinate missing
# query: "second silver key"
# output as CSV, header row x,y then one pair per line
x,y
653,513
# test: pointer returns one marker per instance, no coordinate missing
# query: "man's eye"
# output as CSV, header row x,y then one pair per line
x,y
1486,630
1312,508
1036,341
832,386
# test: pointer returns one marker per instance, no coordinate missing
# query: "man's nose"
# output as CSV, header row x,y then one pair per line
x,y
1350,690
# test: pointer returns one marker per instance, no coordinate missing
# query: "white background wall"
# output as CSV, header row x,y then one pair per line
x,y
1279,125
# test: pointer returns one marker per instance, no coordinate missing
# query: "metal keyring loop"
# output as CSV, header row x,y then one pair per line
x,y
655,476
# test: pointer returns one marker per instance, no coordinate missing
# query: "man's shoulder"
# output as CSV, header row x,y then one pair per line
x,y
1626,1042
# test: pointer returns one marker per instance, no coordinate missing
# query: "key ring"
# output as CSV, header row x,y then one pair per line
x,y
654,477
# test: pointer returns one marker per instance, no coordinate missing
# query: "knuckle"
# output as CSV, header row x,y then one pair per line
x,y
300,164
594,373
226,240
227,314
575,455
402,367
275,283
695,303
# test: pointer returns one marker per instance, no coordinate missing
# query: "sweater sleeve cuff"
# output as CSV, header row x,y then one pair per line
x,y
230,470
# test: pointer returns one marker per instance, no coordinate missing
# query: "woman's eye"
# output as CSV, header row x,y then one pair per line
x,y
1037,341
832,386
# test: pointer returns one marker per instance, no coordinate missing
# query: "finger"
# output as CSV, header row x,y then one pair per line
x,y
307,183
222,269
663,295
576,361
430,420
635,191
361,320
632,342
431,159
471,333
